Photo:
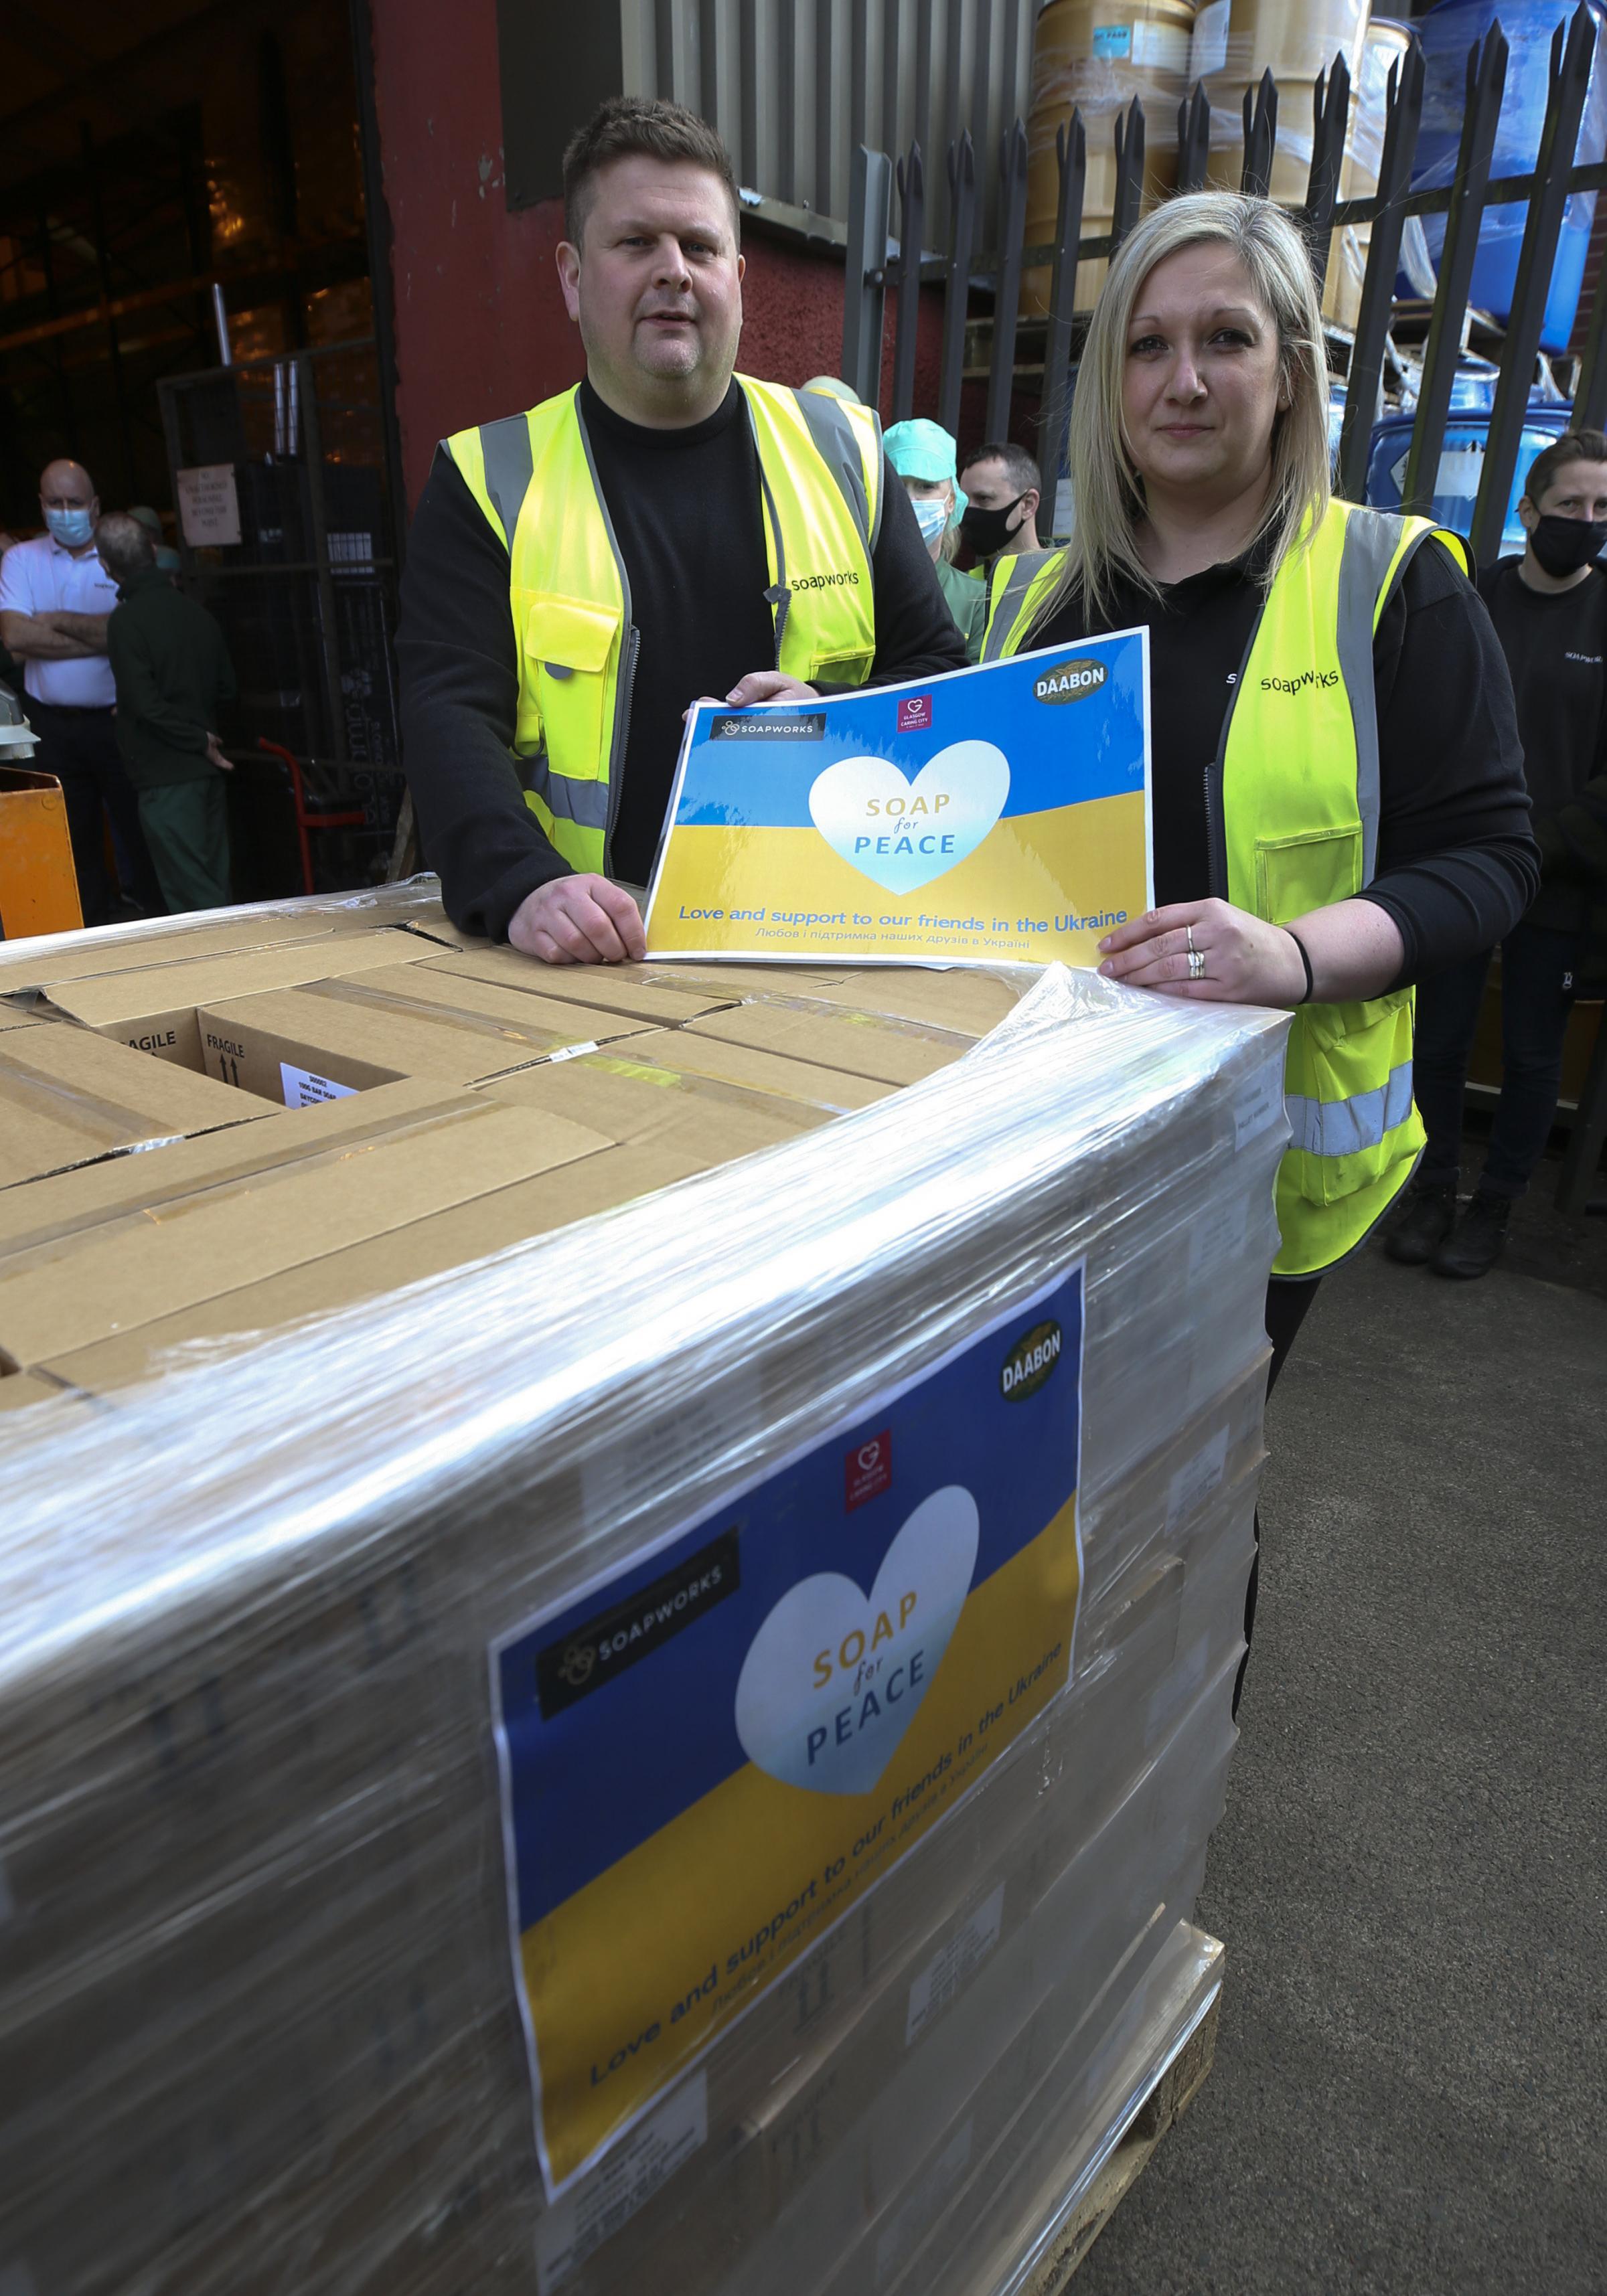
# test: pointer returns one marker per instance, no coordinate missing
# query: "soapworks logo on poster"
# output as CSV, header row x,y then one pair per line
x,y
599,1649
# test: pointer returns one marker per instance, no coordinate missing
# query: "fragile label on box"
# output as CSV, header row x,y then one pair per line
x,y
708,1757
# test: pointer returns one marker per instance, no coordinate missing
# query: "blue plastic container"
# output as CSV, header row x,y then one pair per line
x,y
1461,465
1447,32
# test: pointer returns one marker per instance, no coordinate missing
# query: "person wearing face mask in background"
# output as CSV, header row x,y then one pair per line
x,y
1549,608
55,597
922,452
1003,488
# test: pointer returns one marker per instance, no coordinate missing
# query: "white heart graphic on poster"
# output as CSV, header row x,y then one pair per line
x,y
901,833
833,1677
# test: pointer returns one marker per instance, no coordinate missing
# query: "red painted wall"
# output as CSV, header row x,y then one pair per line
x,y
480,327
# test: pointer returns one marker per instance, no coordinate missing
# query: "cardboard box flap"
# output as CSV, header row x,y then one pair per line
x,y
861,1044
67,1097
638,990
690,1052
637,1102
348,1034
153,1009
67,1202
542,1017
747,980
965,999
60,1295
80,955
432,1246
21,1388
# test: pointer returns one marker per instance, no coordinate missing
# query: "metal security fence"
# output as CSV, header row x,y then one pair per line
x,y
884,263
288,535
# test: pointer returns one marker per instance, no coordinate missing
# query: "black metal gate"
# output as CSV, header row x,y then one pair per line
x,y
877,262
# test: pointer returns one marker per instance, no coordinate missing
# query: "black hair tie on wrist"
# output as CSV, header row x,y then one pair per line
x,y
1306,961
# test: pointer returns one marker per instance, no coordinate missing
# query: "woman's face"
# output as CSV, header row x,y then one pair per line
x,y
1200,389
932,490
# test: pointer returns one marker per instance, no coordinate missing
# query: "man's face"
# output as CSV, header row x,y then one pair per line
x,y
656,288
65,486
1579,490
989,484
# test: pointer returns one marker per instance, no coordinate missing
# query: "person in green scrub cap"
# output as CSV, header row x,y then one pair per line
x,y
923,455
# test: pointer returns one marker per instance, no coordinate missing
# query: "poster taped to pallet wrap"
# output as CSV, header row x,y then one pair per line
x,y
708,1757
996,816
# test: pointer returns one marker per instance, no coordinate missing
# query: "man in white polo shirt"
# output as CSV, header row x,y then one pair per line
x,y
55,600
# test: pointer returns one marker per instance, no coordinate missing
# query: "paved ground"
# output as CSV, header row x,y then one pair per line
x,y
1411,1878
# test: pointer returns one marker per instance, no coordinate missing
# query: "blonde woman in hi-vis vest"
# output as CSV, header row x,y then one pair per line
x,y
1338,787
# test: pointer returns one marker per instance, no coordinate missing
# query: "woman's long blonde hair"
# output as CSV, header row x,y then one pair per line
x,y
1106,490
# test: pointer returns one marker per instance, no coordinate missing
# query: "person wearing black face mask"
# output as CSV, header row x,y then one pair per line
x,y
1549,608
1002,489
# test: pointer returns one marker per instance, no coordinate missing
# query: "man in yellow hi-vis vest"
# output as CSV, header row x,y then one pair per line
x,y
669,529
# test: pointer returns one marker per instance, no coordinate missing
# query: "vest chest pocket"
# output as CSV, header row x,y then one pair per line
x,y
568,665
1309,871
851,667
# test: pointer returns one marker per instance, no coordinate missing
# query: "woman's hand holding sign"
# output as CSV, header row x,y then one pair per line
x,y
1213,952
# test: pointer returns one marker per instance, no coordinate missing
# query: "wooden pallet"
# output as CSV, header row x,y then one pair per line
x,y
1165,2103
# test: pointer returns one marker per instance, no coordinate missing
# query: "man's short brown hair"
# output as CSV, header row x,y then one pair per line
x,y
627,127
1548,466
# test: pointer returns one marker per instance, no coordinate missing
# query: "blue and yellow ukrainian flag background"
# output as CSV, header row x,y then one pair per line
x,y
660,1879
743,872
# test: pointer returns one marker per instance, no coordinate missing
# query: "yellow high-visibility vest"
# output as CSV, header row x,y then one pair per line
x,y
534,479
1294,827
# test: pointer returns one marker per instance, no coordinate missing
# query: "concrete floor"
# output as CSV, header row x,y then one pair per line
x,y
1411,2083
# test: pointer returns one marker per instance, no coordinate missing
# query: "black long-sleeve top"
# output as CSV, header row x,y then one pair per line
x,y
685,507
1456,863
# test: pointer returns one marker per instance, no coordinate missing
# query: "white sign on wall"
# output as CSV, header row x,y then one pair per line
x,y
209,506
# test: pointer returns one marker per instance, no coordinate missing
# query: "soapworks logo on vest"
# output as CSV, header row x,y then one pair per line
x,y
1313,677
844,580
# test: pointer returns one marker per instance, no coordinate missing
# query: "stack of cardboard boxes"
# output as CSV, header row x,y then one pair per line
x,y
259,2027
337,1103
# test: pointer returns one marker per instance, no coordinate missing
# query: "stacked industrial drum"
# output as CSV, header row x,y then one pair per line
x,y
1095,56
1098,55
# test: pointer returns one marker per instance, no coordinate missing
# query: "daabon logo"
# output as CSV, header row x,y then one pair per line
x,y
1069,681
1030,1362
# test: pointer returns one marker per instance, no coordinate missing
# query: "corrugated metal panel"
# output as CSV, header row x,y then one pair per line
x,y
794,85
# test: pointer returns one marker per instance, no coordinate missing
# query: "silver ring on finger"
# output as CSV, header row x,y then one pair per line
x,y
1193,952
1196,965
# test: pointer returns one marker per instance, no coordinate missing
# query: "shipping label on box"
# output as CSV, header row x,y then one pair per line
x,y
707,1758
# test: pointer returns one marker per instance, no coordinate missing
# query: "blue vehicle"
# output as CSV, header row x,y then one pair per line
x,y
1461,464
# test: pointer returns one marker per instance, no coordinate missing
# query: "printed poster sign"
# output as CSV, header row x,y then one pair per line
x,y
996,816
209,506
708,1757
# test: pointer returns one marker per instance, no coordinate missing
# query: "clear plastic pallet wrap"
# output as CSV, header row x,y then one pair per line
x,y
258,2028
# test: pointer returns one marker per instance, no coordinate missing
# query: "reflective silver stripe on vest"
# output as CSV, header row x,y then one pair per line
x,y
1372,538
505,447
585,803
1012,598
1341,1127
836,443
